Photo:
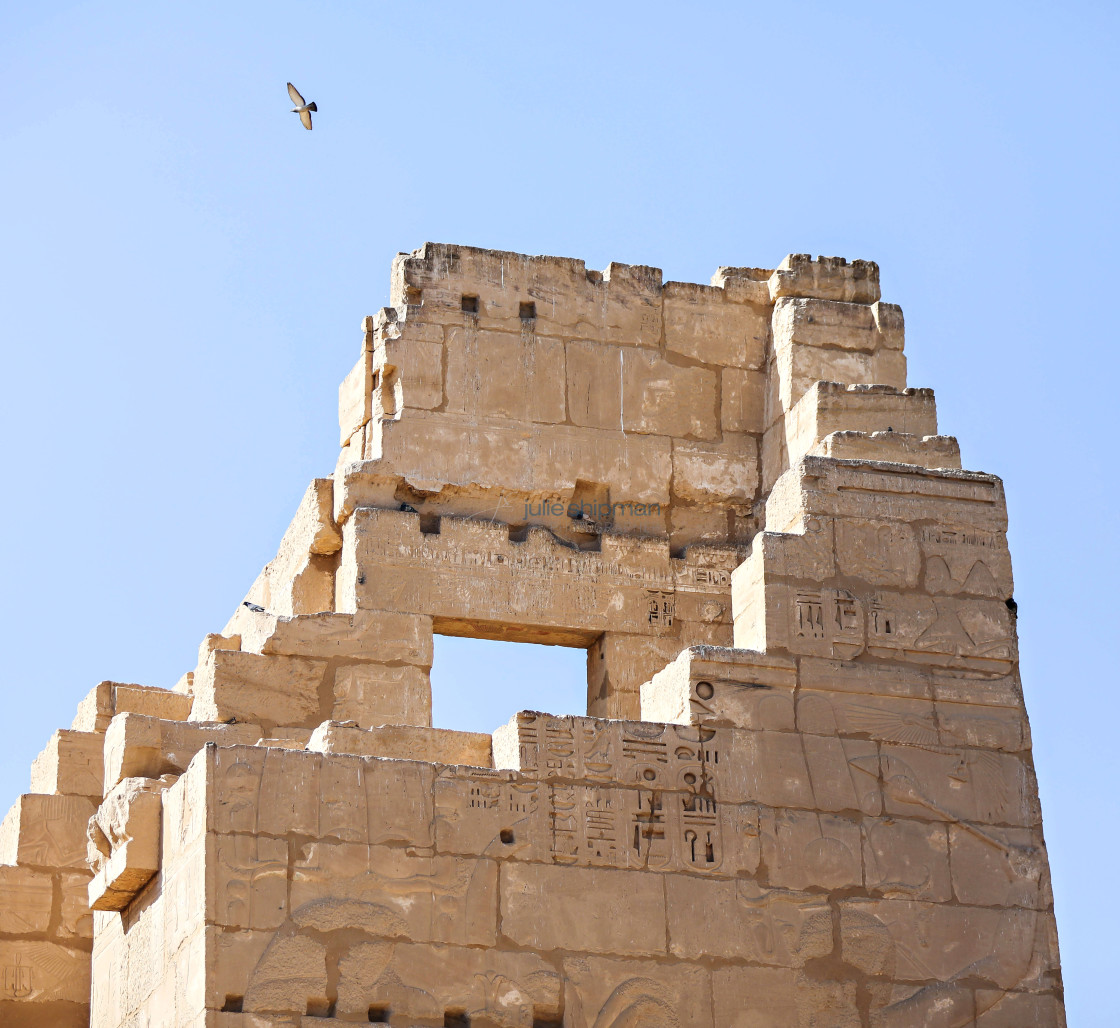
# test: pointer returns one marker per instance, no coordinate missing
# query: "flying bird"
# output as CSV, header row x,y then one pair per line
x,y
303,109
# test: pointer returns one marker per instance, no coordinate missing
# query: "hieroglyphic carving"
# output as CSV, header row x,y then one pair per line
x,y
43,971
597,824
250,881
828,622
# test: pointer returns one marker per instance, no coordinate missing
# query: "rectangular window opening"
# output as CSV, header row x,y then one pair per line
x,y
479,684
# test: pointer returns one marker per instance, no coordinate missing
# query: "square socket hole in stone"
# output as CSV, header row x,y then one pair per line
x,y
527,310
470,304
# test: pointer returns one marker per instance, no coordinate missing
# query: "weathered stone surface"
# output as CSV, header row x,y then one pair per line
x,y
826,278
403,742
703,324
832,822
269,690
70,765
124,842
46,831
660,398
108,699
148,747
379,694
27,900
723,685
597,911
740,921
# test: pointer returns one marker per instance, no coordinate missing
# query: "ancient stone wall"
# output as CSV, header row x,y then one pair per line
x,y
803,793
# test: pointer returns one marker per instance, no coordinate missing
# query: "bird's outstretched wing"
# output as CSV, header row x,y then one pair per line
x,y
305,117
294,94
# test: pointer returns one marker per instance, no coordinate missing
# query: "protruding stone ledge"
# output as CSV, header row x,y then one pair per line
x,y
124,842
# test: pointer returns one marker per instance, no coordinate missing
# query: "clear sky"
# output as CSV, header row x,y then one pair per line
x,y
184,270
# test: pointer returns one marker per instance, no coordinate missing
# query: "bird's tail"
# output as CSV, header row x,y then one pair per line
x,y
311,107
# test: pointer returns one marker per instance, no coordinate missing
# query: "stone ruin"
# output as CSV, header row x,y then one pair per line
x,y
802,794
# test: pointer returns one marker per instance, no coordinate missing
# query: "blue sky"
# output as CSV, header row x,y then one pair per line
x,y
184,271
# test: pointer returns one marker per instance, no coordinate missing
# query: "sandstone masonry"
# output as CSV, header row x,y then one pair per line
x,y
803,793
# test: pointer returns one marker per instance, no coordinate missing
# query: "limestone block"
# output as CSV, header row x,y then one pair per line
x,y
108,699
418,364
300,578
803,849
436,898
597,911
867,679
916,941
999,866
744,285
742,400
146,747
75,919
27,902
618,663
379,694
70,765
490,987
826,324
780,769
961,501
594,384
403,742
990,727
908,859
434,451
620,305
927,451
125,842
984,786
509,817
498,814
783,769
385,636
505,375
247,881
888,718
724,686
572,748
799,367
961,687
701,323
290,975
828,408
273,689
287,738
826,278
721,472
740,921
659,398
354,398
810,554
879,552
42,980
964,562
46,831
615,992
216,641
275,792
